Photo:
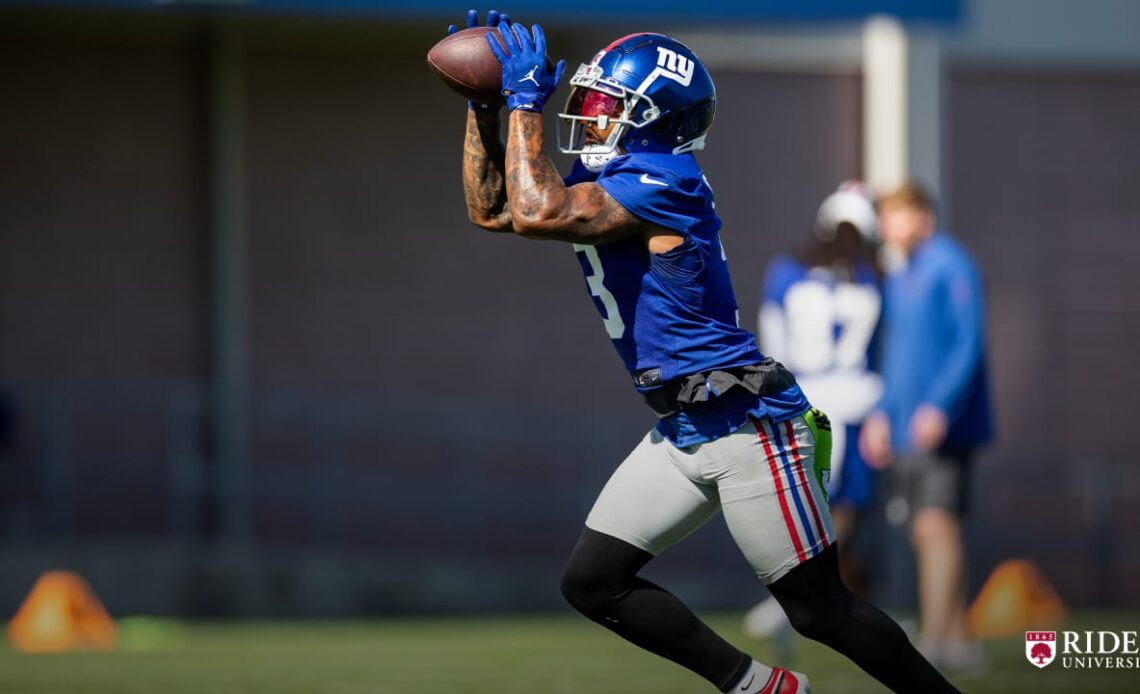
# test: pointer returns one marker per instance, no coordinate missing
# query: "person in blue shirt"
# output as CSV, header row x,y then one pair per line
x,y
819,315
734,432
934,413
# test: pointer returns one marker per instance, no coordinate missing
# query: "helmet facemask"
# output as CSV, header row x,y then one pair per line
x,y
598,103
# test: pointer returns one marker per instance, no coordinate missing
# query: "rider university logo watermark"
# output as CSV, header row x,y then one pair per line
x,y
1084,650
1041,647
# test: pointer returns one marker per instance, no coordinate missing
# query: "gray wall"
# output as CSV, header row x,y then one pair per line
x,y
425,397
433,408
1044,169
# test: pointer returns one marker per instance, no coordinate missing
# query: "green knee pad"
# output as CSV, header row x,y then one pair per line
x,y
820,427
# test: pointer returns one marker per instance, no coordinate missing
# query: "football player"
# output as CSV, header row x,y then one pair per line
x,y
734,431
819,316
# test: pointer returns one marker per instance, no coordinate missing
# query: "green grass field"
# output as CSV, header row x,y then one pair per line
x,y
562,654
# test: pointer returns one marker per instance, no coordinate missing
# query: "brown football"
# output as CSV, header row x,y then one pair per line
x,y
465,63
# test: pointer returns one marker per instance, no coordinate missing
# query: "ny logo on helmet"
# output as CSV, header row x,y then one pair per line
x,y
676,67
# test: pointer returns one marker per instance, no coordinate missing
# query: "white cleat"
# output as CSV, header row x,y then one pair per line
x,y
766,620
786,682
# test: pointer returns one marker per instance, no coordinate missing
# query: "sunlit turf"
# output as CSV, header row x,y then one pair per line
x,y
562,654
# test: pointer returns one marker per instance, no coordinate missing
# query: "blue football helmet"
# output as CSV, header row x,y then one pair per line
x,y
652,89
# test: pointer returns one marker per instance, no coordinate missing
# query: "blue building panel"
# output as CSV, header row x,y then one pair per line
x,y
547,10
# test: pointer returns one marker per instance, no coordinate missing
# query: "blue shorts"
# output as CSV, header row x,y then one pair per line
x,y
855,484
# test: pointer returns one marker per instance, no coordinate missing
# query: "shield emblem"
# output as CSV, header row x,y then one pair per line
x,y
1040,647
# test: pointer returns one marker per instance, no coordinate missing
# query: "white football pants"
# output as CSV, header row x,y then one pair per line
x,y
763,475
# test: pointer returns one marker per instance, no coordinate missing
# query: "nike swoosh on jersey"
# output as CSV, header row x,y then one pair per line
x,y
651,181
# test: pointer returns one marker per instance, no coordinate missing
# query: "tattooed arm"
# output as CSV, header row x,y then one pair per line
x,y
542,207
483,172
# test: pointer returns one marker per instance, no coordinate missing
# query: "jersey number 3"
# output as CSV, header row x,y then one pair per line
x,y
615,326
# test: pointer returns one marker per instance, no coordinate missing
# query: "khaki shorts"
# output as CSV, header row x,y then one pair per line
x,y
764,476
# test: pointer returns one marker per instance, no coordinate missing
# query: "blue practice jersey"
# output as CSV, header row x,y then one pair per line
x,y
675,311
824,328
818,324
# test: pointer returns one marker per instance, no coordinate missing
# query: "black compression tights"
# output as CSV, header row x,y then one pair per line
x,y
601,582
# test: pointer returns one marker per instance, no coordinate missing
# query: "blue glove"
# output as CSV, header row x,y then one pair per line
x,y
494,19
527,83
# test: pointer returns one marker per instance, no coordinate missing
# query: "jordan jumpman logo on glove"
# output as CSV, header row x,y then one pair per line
x,y
525,63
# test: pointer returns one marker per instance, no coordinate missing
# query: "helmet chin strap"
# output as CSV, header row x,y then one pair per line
x,y
595,157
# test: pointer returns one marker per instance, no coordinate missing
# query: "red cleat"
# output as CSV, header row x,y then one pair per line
x,y
786,682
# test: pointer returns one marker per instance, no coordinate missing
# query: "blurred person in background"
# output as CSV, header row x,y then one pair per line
x,y
819,315
934,413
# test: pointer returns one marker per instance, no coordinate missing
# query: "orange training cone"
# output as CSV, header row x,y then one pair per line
x,y
61,613
1015,597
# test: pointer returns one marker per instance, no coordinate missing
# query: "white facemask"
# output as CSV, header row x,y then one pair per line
x,y
595,157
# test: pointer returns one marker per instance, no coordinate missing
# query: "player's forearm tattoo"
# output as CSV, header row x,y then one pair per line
x,y
483,173
541,204
533,185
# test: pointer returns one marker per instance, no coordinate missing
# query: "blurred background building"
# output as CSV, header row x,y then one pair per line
x,y
254,360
